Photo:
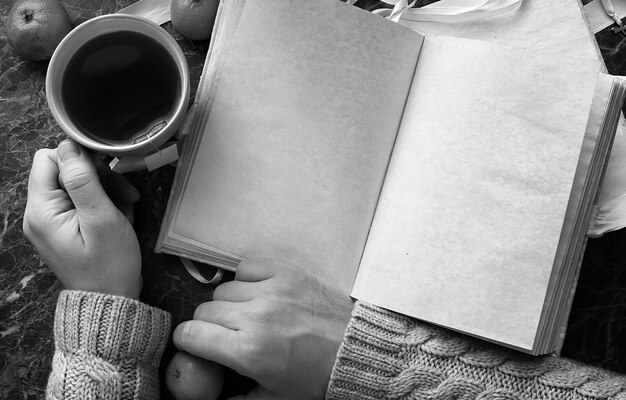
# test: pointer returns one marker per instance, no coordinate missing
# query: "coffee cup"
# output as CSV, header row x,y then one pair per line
x,y
119,85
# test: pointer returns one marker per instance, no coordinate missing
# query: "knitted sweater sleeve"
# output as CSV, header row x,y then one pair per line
x,y
106,347
388,356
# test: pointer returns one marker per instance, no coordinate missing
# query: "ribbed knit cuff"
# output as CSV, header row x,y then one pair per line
x,y
112,328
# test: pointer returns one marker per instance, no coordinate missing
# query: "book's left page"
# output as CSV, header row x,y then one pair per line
x,y
301,123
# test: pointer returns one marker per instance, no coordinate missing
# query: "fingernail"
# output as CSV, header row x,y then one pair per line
x,y
67,150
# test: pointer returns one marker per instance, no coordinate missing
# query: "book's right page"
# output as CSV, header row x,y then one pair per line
x,y
558,27
473,203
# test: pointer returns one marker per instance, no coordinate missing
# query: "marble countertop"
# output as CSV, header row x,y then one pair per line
x,y
28,290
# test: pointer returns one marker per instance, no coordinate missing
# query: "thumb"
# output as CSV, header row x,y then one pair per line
x,y
78,174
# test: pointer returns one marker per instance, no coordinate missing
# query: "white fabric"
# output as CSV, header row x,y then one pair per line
x,y
157,11
598,13
448,10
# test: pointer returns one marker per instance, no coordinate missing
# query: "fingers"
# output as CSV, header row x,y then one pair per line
x,y
235,291
118,187
222,313
42,188
121,192
128,210
81,181
257,270
43,174
212,342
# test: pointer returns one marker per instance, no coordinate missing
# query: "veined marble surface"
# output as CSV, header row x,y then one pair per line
x,y
28,290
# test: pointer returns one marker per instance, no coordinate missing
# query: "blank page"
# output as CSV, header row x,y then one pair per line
x,y
299,134
471,211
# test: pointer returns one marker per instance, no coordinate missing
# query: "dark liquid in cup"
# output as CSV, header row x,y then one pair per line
x,y
119,86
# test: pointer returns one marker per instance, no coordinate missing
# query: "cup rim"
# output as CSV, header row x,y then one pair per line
x,y
60,56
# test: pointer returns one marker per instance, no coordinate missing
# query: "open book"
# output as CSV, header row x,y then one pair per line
x,y
447,179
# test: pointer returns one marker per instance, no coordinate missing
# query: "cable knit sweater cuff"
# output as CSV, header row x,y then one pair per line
x,y
387,355
369,359
112,328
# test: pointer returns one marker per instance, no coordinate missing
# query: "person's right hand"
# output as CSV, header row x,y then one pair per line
x,y
276,324
79,232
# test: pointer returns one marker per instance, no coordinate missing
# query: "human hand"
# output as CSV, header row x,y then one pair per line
x,y
79,232
277,325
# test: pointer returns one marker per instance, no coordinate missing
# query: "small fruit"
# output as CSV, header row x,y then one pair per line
x,y
194,19
192,378
35,27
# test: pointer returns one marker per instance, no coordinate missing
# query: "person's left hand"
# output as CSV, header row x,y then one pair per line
x,y
275,324
84,236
